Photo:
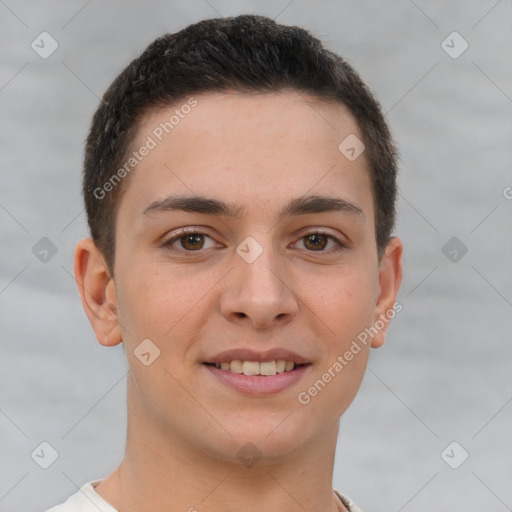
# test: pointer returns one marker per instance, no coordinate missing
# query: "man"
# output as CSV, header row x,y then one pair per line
x,y
240,187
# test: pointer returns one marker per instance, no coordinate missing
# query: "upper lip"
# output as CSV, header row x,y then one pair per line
x,y
247,354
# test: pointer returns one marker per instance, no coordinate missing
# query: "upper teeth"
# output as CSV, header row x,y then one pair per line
x,y
256,368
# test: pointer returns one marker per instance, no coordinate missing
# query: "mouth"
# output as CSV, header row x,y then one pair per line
x,y
252,372
259,368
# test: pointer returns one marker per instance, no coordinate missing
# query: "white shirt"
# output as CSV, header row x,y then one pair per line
x,y
88,500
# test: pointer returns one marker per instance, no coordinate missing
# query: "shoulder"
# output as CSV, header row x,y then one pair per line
x,y
85,500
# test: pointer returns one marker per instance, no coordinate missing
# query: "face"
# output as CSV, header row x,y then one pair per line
x,y
245,242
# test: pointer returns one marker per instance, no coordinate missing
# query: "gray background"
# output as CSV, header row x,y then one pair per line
x,y
444,374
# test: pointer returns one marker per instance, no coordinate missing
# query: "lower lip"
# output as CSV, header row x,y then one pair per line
x,y
258,384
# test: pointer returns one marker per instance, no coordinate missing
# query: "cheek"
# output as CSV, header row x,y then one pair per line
x,y
154,302
169,309
153,305
345,306
344,301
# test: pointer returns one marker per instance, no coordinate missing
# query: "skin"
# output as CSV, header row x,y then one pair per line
x,y
185,427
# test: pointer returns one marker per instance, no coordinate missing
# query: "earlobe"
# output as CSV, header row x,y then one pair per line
x,y
390,279
97,292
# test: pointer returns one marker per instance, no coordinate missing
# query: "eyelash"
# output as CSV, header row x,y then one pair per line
x,y
192,231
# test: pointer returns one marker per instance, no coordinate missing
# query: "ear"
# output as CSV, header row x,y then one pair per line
x,y
97,291
390,279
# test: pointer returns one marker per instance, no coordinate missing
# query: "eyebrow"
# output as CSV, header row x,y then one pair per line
x,y
303,205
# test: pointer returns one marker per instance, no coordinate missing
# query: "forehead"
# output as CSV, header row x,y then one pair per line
x,y
284,116
248,147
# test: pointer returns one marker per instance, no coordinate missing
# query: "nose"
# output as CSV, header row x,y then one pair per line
x,y
260,293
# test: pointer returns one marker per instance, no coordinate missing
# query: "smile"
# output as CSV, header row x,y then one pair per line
x,y
267,368
258,378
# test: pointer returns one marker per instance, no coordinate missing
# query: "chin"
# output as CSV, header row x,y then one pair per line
x,y
270,439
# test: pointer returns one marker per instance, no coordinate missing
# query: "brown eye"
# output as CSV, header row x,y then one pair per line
x,y
192,242
188,241
316,241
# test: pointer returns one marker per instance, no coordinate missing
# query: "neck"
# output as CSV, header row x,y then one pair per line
x,y
161,469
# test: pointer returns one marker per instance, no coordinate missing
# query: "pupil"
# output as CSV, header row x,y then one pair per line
x,y
319,241
192,241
